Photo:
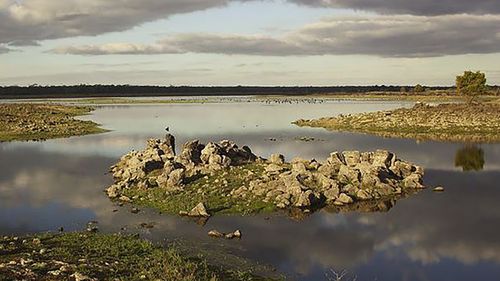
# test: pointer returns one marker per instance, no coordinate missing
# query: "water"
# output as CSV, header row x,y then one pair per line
x,y
448,236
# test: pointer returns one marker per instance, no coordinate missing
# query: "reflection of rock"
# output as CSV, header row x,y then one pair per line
x,y
470,158
230,171
372,206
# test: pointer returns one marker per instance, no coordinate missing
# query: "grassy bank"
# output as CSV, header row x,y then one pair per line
x,y
479,123
101,257
22,122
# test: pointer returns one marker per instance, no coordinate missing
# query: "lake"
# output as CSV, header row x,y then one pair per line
x,y
430,236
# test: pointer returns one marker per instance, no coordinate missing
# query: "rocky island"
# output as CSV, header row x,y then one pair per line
x,y
205,179
472,123
23,122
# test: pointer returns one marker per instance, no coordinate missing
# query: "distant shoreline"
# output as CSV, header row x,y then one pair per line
x,y
97,91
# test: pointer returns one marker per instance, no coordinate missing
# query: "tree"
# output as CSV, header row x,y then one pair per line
x,y
471,84
418,89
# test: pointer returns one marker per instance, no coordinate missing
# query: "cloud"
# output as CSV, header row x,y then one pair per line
x,y
414,7
4,50
32,20
23,43
29,21
386,36
115,49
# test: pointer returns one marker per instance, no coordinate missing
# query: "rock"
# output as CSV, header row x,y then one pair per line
x,y
402,169
344,199
352,158
237,234
438,189
191,153
326,182
112,191
215,233
277,159
135,211
274,169
183,213
199,211
125,199
299,168
313,165
383,158
336,159
413,181
92,227
349,175
331,194
233,235
305,199
176,178
363,195
80,277
329,170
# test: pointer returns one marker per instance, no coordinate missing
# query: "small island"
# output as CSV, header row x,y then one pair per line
x,y
470,122
206,179
24,122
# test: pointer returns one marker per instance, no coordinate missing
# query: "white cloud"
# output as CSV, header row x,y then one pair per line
x,y
387,36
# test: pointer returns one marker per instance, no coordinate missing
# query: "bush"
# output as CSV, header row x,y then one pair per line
x,y
418,89
471,84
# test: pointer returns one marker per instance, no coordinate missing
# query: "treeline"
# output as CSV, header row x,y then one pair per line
x,y
82,91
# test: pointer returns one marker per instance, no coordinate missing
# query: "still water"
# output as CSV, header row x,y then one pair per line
x,y
450,236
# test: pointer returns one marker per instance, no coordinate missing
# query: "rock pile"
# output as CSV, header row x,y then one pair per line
x,y
344,178
173,171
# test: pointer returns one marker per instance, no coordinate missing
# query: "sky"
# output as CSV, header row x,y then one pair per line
x,y
247,42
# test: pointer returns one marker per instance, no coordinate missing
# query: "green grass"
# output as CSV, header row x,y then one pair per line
x,y
210,190
106,257
22,122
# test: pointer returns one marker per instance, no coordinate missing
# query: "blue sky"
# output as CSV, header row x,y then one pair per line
x,y
245,43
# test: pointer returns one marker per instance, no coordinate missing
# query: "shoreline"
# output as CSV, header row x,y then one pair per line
x,y
81,256
35,122
208,99
479,123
